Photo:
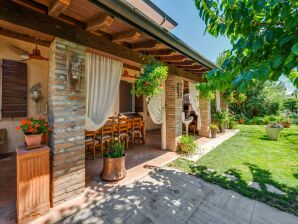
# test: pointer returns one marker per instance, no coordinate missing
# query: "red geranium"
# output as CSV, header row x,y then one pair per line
x,y
34,125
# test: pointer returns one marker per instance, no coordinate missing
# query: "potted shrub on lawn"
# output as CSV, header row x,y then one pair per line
x,y
187,144
213,128
34,129
273,131
114,162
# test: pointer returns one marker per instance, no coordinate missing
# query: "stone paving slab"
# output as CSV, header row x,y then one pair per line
x,y
166,195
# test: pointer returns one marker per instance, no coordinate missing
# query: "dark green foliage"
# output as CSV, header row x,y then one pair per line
x,y
264,38
150,80
115,150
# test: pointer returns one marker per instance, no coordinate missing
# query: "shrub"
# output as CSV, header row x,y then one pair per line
x,y
187,144
294,118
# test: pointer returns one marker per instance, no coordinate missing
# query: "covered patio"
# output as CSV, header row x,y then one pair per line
x,y
114,32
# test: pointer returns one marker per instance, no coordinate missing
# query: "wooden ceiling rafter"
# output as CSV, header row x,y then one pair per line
x,y
131,35
56,7
174,58
161,52
147,45
185,63
99,22
24,37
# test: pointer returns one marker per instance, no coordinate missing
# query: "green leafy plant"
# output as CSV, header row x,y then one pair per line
x,y
150,80
263,36
115,150
222,117
213,126
187,144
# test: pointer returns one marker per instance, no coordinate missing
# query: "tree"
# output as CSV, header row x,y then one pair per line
x,y
261,99
264,38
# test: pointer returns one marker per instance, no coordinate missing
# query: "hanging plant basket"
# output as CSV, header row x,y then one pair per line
x,y
149,83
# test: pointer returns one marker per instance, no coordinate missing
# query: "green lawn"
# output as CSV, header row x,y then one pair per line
x,y
250,156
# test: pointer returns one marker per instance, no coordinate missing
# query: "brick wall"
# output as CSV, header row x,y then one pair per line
x,y
173,111
205,112
67,117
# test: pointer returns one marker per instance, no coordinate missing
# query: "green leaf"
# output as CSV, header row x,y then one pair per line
x,y
276,62
295,49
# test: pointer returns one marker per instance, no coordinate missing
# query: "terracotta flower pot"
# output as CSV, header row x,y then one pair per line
x,y
33,140
241,121
113,168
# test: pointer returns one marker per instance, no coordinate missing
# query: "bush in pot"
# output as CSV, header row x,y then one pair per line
x,y
187,144
213,128
114,162
273,131
34,128
286,122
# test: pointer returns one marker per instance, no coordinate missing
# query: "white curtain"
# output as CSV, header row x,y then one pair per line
x,y
103,78
156,109
194,95
217,99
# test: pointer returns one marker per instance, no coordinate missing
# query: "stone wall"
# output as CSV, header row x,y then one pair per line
x,y
205,112
223,103
67,118
173,111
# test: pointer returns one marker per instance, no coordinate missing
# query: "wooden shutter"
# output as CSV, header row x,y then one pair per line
x,y
14,89
125,99
139,104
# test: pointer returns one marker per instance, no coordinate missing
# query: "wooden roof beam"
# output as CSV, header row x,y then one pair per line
x,y
56,7
174,58
126,36
99,22
185,63
161,52
146,45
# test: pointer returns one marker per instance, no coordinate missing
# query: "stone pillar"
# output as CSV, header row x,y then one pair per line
x,y
205,112
173,100
67,118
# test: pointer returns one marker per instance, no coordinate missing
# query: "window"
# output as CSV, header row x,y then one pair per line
x,y
125,97
14,89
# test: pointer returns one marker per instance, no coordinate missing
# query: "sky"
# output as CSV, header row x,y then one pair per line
x,y
191,28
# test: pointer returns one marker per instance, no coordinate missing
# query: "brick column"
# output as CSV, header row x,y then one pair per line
x,y
173,110
205,112
67,117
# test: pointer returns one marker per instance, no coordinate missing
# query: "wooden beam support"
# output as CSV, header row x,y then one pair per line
x,y
56,7
126,36
174,58
185,63
24,37
22,16
99,22
146,45
161,52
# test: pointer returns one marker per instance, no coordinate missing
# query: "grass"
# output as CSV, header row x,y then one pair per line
x,y
251,156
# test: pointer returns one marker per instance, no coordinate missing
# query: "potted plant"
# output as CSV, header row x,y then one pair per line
x,y
34,128
273,131
149,82
187,144
114,162
213,128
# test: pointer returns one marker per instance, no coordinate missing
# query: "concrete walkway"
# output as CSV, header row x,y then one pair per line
x,y
169,196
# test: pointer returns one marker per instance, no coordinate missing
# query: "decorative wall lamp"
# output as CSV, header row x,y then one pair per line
x,y
74,65
36,92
